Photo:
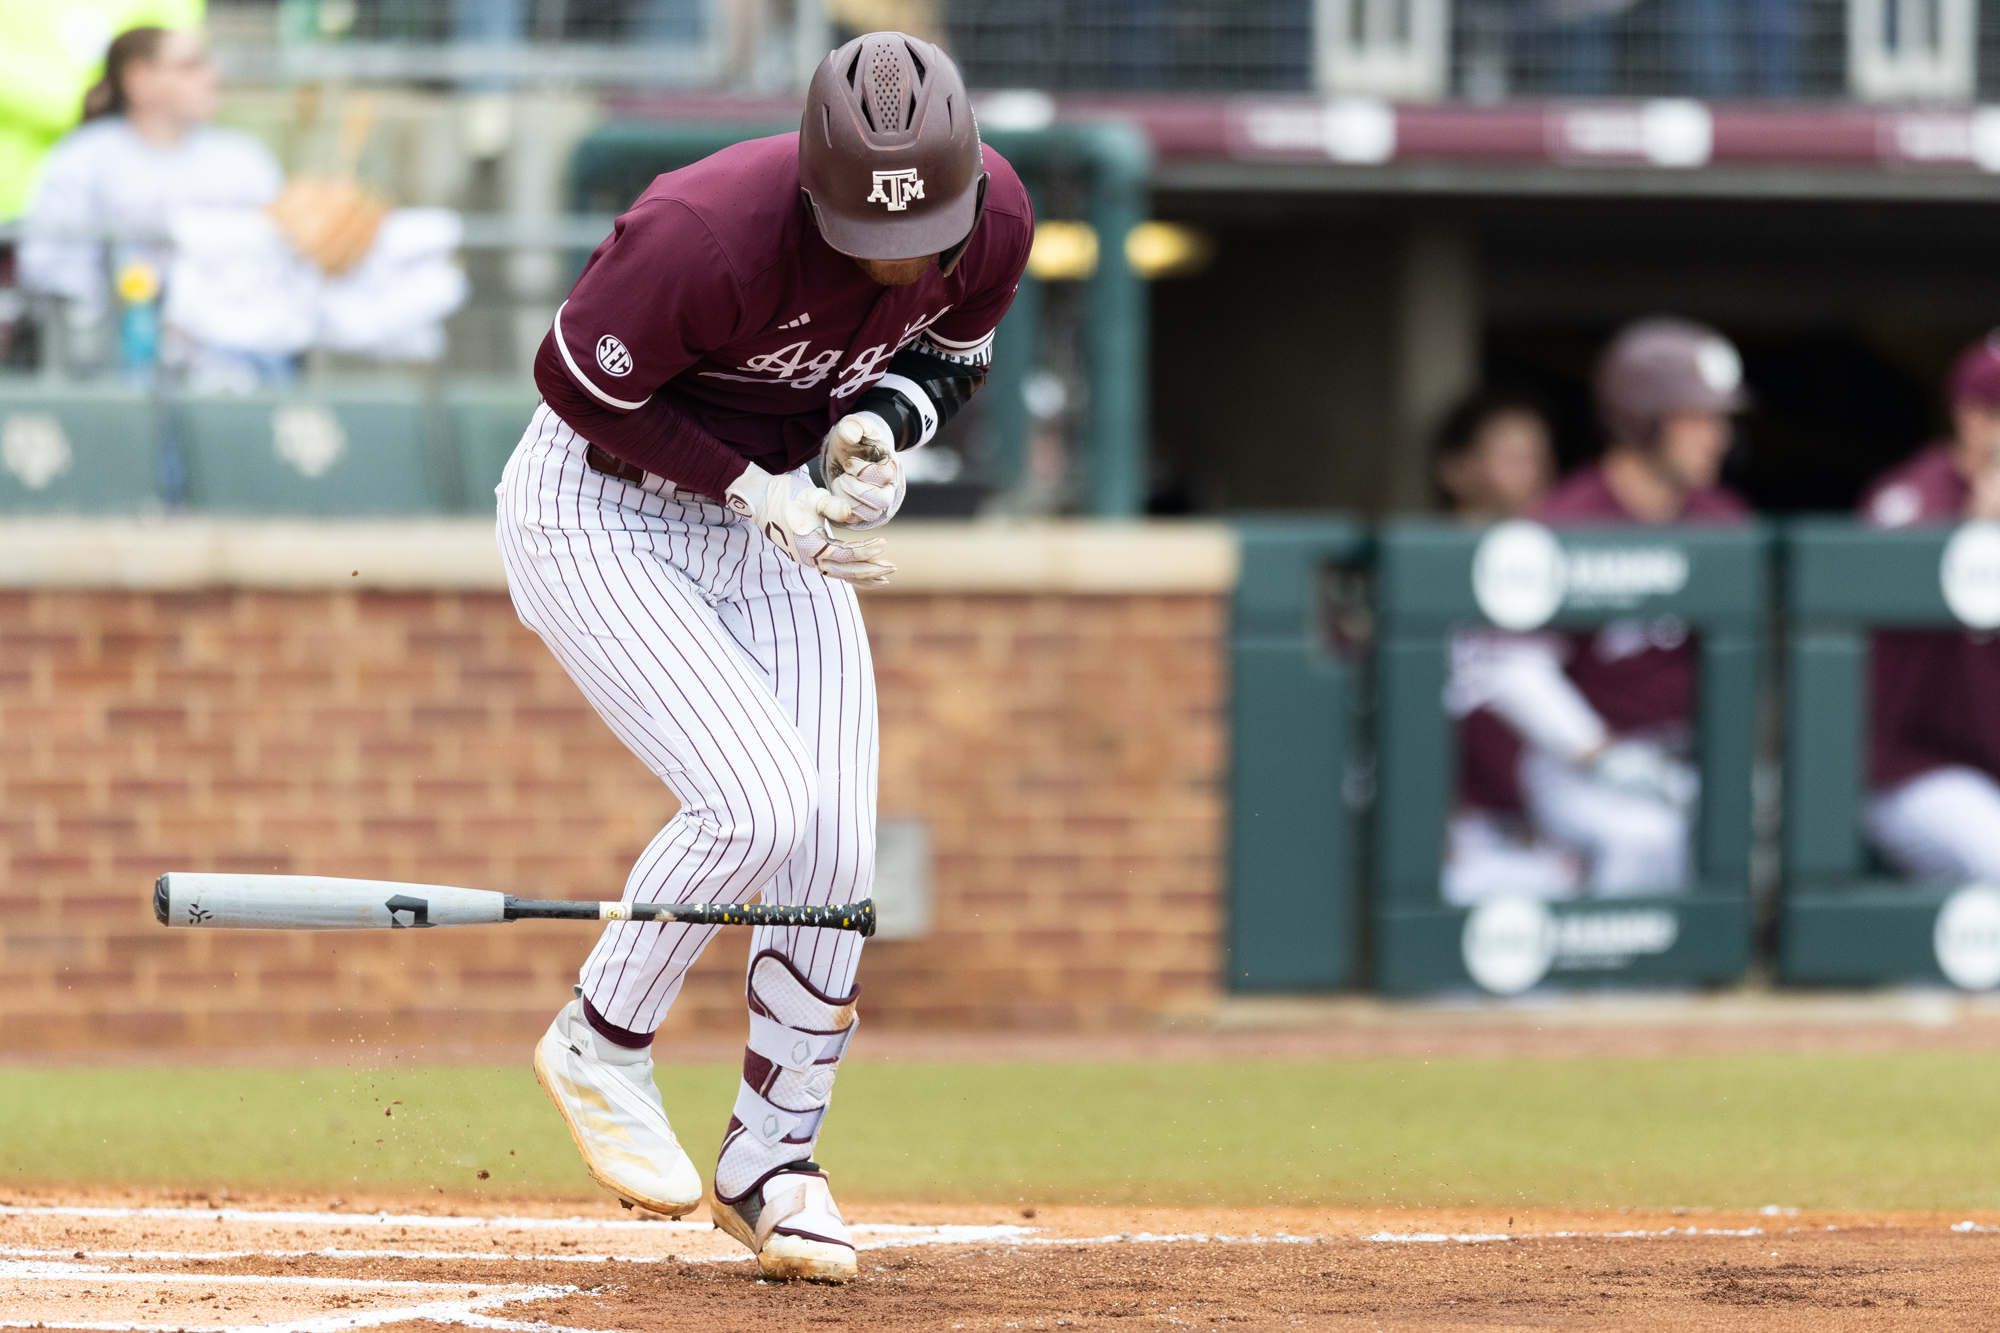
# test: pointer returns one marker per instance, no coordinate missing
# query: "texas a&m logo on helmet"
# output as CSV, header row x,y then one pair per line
x,y
896,189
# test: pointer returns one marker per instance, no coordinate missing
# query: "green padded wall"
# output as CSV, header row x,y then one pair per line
x,y
78,451
1424,592
1293,845
485,422
1842,920
327,454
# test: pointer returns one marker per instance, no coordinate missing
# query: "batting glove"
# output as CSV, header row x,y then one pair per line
x,y
804,522
858,459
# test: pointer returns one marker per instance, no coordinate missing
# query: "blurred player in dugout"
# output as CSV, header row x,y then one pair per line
x,y
1934,805
1590,733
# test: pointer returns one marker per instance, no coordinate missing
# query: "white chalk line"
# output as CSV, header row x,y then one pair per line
x,y
75,1272
465,1311
211,1256
381,1219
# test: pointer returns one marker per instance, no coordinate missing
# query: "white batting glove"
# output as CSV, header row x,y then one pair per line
x,y
858,459
1641,768
801,520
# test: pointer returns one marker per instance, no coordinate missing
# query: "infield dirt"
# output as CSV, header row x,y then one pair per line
x,y
152,1261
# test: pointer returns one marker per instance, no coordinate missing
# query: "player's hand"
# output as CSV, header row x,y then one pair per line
x,y
802,520
1646,770
858,459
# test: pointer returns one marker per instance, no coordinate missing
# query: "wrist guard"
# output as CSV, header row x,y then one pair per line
x,y
928,382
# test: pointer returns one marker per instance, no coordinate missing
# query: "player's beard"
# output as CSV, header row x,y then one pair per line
x,y
896,272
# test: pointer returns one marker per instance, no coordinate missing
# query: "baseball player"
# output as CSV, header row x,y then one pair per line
x,y
1492,460
831,293
1606,717
1934,805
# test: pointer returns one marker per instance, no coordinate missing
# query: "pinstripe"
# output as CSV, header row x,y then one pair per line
x,y
740,679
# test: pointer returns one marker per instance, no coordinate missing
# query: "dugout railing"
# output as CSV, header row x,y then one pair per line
x,y
1434,580
1295,917
1844,918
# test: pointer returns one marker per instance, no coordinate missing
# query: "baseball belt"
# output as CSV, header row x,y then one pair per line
x,y
613,466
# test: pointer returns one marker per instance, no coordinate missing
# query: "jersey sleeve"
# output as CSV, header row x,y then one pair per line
x,y
655,296
998,258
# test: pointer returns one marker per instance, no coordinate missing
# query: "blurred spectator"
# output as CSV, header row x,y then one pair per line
x,y
1702,41
144,153
1705,41
1581,37
1607,716
1934,808
50,52
1493,460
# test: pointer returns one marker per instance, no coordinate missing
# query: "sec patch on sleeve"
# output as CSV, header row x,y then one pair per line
x,y
612,356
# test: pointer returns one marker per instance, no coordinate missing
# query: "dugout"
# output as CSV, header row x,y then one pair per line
x,y
1295,919
1433,579
1844,918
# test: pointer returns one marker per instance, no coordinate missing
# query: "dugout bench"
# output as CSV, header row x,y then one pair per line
x,y
1294,833
1434,578
1843,919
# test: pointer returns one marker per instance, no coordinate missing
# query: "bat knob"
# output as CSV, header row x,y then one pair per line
x,y
160,900
864,912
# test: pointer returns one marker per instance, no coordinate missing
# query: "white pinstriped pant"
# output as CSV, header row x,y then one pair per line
x,y
740,678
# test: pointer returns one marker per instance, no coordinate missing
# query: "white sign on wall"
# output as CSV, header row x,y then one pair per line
x,y
1967,938
1969,575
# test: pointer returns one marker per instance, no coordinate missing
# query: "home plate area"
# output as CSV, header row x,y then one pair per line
x,y
301,1265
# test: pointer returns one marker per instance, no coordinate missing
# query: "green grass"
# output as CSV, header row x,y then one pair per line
x,y
1913,1130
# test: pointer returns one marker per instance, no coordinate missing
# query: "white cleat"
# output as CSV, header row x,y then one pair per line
x,y
792,1225
606,1095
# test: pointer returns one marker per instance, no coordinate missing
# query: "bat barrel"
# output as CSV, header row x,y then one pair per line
x,y
316,902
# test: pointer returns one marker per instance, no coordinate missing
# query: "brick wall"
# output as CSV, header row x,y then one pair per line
x,y
1066,750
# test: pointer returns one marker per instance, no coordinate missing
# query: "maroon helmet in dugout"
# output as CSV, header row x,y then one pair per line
x,y
889,156
1660,366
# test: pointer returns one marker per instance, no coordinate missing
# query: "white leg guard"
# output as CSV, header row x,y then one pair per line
x,y
769,1194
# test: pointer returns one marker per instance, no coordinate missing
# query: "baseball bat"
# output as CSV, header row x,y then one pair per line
x,y
316,902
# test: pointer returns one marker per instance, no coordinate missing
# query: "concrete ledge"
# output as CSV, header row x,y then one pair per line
x,y
1061,556
458,554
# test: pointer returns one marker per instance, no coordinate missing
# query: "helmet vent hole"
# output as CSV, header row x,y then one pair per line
x,y
885,79
915,59
910,112
852,66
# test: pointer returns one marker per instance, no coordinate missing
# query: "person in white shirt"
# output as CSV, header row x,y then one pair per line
x,y
110,189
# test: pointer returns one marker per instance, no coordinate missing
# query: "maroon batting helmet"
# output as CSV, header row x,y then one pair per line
x,y
1976,377
889,155
1660,366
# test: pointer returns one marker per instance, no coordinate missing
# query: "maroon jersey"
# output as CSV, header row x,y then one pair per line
x,y
1638,674
1489,763
1934,695
714,326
